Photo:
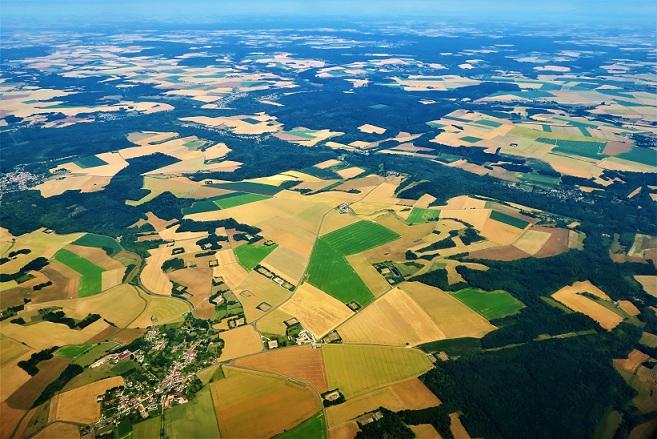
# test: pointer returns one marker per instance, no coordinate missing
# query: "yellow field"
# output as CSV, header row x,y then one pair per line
x,y
199,285
424,431
255,405
394,319
376,283
317,311
358,369
256,289
406,395
80,405
120,305
531,241
160,310
41,243
152,277
453,317
628,308
649,283
571,296
239,342
59,430
11,352
46,334
457,428
286,263
272,322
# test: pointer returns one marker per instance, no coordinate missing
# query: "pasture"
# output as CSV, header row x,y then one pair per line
x,y
357,369
421,215
250,255
313,428
237,199
91,281
148,429
490,304
108,244
508,219
194,419
358,237
72,351
329,271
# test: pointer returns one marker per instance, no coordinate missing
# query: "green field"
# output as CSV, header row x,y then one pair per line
x,y
644,156
250,255
200,206
90,162
95,353
313,428
91,281
490,304
532,177
72,351
576,147
470,139
508,219
356,369
329,271
148,429
421,215
237,199
108,244
195,419
358,237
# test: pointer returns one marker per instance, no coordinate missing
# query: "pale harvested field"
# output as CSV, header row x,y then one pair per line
x,y
152,277
257,405
394,319
120,305
13,377
199,286
453,317
344,431
158,223
632,362
376,283
327,163
160,310
172,234
111,278
181,187
317,311
379,199
273,322
500,233
303,363
352,172
628,308
286,263
83,183
531,241
476,217
80,405
362,184
42,335
457,428
424,431
256,289
371,129
59,430
649,283
239,342
41,244
335,220
571,296
233,274
406,395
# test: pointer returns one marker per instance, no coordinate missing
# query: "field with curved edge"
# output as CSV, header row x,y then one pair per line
x,y
490,304
91,281
357,369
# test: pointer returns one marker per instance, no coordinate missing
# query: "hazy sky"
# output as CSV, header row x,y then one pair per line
x,y
90,12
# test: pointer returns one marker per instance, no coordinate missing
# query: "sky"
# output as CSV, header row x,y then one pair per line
x,y
85,13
